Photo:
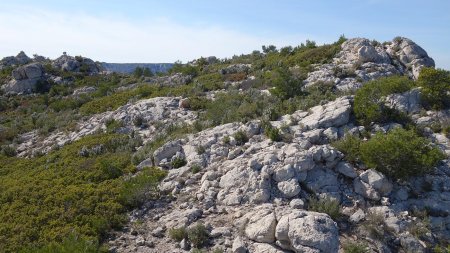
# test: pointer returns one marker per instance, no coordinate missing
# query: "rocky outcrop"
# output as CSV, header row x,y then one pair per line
x,y
19,59
361,50
25,79
76,64
263,187
154,112
361,60
410,55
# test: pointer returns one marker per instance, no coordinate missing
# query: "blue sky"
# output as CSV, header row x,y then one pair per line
x,y
170,30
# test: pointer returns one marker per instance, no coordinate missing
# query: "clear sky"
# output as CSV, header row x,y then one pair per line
x,y
170,30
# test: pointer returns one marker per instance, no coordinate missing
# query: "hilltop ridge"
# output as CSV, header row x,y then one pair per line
x,y
342,147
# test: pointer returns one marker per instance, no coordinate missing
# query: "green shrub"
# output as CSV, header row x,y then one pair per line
x,y
349,146
442,249
375,225
198,235
326,205
196,169
178,234
226,140
240,137
369,104
200,150
113,125
8,150
210,82
271,132
435,85
69,245
138,121
141,188
400,153
178,162
285,85
355,247
46,199
185,69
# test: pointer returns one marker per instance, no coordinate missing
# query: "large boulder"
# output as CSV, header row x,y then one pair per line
x,y
410,55
360,50
30,71
25,79
167,151
407,102
372,184
333,114
261,225
307,232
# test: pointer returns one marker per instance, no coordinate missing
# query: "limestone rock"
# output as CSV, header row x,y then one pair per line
x,y
25,79
239,245
346,169
76,64
302,231
167,151
289,188
333,114
261,225
410,55
361,50
377,181
407,102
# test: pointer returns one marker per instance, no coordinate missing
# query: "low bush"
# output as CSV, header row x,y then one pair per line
x,y
375,225
200,149
142,187
326,205
355,247
442,249
435,85
198,235
400,153
285,84
178,234
196,169
349,146
69,245
240,137
46,199
113,125
369,103
178,162
138,121
271,132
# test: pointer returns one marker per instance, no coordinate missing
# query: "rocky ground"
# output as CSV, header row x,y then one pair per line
x,y
253,197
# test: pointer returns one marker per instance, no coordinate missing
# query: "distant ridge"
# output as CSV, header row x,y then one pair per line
x,y
130,67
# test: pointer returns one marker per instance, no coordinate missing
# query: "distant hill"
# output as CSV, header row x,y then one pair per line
x,y
130,67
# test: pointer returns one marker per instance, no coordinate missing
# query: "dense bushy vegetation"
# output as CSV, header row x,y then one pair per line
x,y
435,85
369,103
400,153
64,193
